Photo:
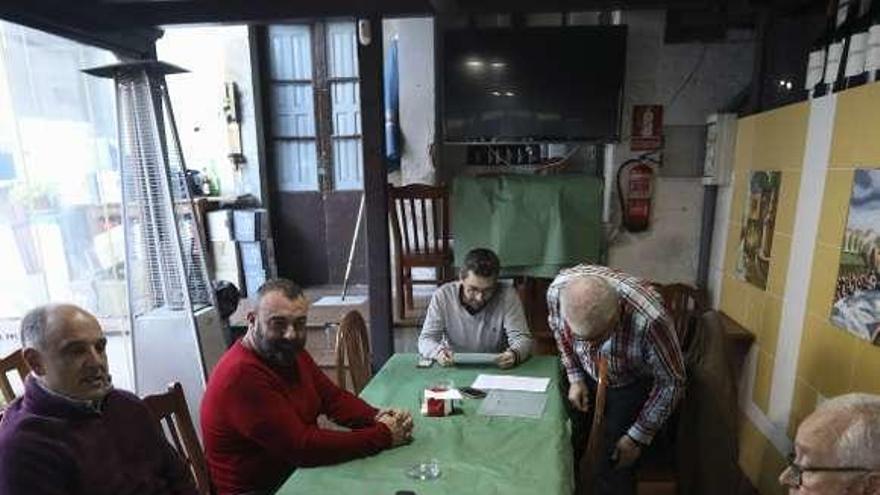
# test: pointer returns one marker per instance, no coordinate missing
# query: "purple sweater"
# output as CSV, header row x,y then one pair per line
x,y
50,445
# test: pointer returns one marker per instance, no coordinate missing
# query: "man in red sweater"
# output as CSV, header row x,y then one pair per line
x,y
259,414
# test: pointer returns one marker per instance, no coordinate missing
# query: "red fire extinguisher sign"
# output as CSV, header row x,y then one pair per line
x,y
647,128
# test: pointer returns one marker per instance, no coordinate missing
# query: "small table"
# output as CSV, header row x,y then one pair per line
x,y
476,454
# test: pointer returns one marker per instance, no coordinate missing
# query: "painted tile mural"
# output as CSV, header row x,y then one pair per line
x,y
759,222
857,295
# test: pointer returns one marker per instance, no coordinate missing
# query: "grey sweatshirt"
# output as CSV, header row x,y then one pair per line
x,y
498,326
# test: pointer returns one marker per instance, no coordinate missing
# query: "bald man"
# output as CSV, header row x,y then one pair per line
x,y
599,314
837,449
72,432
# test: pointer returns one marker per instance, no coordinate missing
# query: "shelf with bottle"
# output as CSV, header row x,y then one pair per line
x,y
847,53
857,31
494,154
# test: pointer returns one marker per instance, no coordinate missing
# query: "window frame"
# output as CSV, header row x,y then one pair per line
x,y
322,84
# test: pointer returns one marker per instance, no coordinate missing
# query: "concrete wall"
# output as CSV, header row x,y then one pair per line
x,y
415,41
213,55
655,74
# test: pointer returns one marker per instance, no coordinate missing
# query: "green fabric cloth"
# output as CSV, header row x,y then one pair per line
x,y
536,225
476,454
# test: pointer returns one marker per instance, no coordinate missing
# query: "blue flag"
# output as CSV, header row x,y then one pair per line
x,y
392,104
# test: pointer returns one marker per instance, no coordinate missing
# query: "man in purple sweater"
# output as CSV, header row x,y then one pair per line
x,y
71,432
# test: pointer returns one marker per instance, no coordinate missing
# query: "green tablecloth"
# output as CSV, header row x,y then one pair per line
x,y
536,225
477,454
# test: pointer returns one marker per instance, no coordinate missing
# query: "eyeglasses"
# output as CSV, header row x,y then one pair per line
x,y
794,476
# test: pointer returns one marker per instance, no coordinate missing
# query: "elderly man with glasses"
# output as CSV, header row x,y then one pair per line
x,y
837,449
603,317
476,314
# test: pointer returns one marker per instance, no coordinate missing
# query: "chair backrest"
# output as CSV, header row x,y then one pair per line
x,y
419,219
685,304
170,411
353,351
12,362
590,459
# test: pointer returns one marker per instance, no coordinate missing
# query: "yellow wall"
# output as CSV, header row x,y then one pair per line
x,y
769,141
831,361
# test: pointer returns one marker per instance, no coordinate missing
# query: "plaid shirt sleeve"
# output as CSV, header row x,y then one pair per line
x,y
562,338
664,358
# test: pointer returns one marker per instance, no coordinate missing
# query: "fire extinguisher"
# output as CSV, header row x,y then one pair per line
x,y
635,194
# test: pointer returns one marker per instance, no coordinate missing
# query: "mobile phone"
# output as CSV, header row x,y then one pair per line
x,y
424,362
473,393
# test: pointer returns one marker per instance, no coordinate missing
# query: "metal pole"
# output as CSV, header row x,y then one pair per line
x,y
357,229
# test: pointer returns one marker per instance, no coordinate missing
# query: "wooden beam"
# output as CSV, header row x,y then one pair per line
x,y
160,13
533,6
80,21
376,193
259,76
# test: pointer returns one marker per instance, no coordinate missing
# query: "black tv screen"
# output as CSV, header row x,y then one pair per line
x,y
543,84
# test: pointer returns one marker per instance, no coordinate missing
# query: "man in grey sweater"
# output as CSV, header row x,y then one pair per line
x,y
476,314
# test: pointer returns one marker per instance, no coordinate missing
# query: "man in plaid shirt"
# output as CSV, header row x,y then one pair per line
x,y
600,314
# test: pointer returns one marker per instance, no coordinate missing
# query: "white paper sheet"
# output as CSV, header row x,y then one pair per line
x,y
506,382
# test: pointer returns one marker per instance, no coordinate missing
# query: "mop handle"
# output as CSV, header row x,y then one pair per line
x,y
357,229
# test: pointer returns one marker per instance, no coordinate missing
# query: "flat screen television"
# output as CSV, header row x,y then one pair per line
x,y
533,84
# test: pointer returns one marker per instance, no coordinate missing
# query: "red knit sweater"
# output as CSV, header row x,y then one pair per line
x,y
259,423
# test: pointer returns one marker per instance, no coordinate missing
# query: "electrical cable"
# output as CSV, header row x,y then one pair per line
x,y
690,76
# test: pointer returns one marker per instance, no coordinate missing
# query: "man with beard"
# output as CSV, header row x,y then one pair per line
x,y
476,314
259,414
72,432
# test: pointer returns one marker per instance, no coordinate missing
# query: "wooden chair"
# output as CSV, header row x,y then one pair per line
x,y
592,451
685,305
658,474
419,216
12,362
170,408
353,352
532,294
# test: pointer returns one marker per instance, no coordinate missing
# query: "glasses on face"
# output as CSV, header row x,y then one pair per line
x,y
794,475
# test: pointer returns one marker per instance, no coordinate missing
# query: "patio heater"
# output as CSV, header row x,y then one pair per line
x,y
176,329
